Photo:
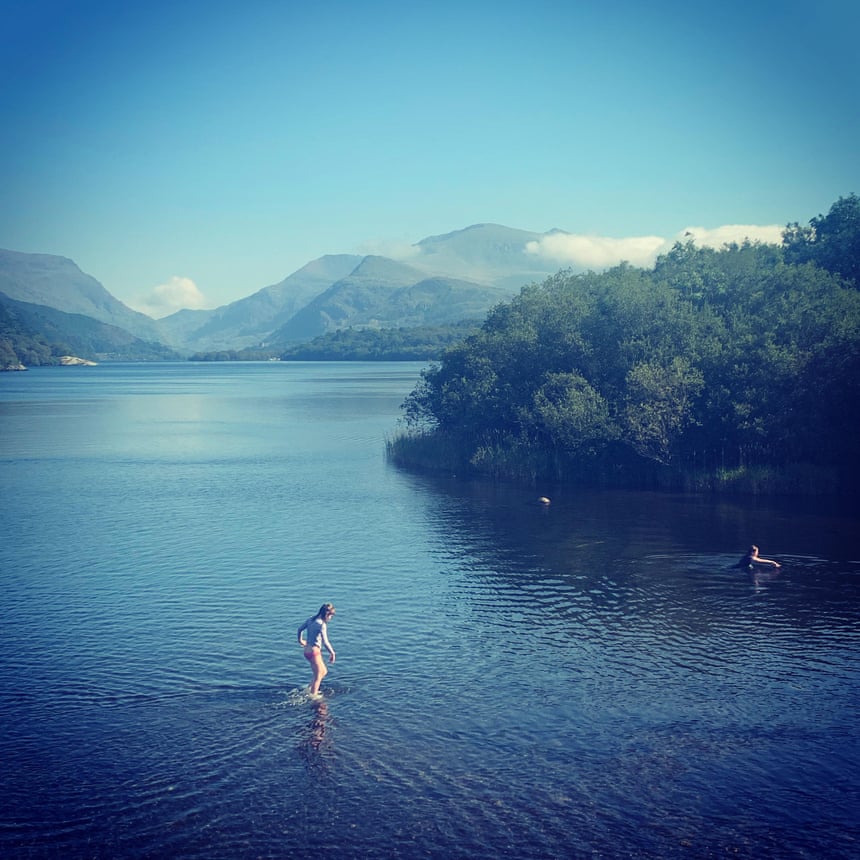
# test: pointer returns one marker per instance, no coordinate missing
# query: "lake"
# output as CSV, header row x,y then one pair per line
x,y
590,678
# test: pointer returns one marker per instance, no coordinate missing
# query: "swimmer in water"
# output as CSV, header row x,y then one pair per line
x,y
317,637
753,559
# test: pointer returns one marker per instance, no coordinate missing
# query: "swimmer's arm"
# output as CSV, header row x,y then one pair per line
x,y
299,636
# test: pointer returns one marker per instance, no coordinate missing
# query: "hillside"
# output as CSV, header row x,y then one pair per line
x,y
34,335
57,282
383,293
249,321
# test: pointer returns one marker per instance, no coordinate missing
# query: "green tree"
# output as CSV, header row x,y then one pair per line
x,y
660,400
571,414
832,241
715,360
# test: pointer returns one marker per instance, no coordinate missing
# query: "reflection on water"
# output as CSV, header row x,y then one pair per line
x,y
591,677
316,746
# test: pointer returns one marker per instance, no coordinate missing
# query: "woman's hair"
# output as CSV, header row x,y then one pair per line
x,y
325,609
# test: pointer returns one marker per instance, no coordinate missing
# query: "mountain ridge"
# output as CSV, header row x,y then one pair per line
x,y
58,282
247,321
442,279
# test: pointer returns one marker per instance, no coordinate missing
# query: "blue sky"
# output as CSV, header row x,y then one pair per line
x,y
195,152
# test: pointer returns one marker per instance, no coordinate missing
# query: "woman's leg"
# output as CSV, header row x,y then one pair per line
x,y
319,669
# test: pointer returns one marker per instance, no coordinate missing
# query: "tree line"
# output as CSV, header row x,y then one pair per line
x,y
420,343
734,368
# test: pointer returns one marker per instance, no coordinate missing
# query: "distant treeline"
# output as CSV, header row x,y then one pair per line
x,y
422,343
733,369
236,355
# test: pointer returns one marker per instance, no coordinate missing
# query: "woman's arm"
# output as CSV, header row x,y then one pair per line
x,y
299,636
327,644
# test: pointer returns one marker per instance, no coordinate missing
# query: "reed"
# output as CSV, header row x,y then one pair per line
x,y
520,460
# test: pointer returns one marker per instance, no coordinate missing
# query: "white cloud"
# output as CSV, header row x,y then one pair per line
x,y
171,296
769,234
600,252
596,252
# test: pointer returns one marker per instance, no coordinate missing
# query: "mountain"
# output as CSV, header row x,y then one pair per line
x,y
37,334
440,301
249,321
439,280
349,301
384,293
56,282
484,253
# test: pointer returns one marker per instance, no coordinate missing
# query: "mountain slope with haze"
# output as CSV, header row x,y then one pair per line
x,y
249,321
57,282
439,280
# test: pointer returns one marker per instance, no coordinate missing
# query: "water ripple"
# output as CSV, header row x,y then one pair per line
x,y
512,680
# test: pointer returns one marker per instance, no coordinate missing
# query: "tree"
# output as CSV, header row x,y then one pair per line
x,y
831,241
571,414
660,402
713,361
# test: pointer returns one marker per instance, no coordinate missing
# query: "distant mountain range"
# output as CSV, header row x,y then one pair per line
x,y
442,280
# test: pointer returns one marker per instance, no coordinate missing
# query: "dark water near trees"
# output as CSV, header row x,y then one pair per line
x,y
588,679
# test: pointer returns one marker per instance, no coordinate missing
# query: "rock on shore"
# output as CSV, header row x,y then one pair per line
x,y
74,361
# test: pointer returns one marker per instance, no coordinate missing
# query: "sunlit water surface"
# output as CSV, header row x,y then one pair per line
x,y
588,679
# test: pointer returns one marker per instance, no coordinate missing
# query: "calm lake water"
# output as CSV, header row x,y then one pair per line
x,y
590,679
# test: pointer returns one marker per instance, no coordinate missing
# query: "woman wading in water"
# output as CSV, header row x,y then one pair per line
x,y
317,637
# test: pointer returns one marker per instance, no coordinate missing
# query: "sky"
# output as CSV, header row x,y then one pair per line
x,y
188,154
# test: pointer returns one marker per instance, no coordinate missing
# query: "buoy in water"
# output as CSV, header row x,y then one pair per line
x,y
543,500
